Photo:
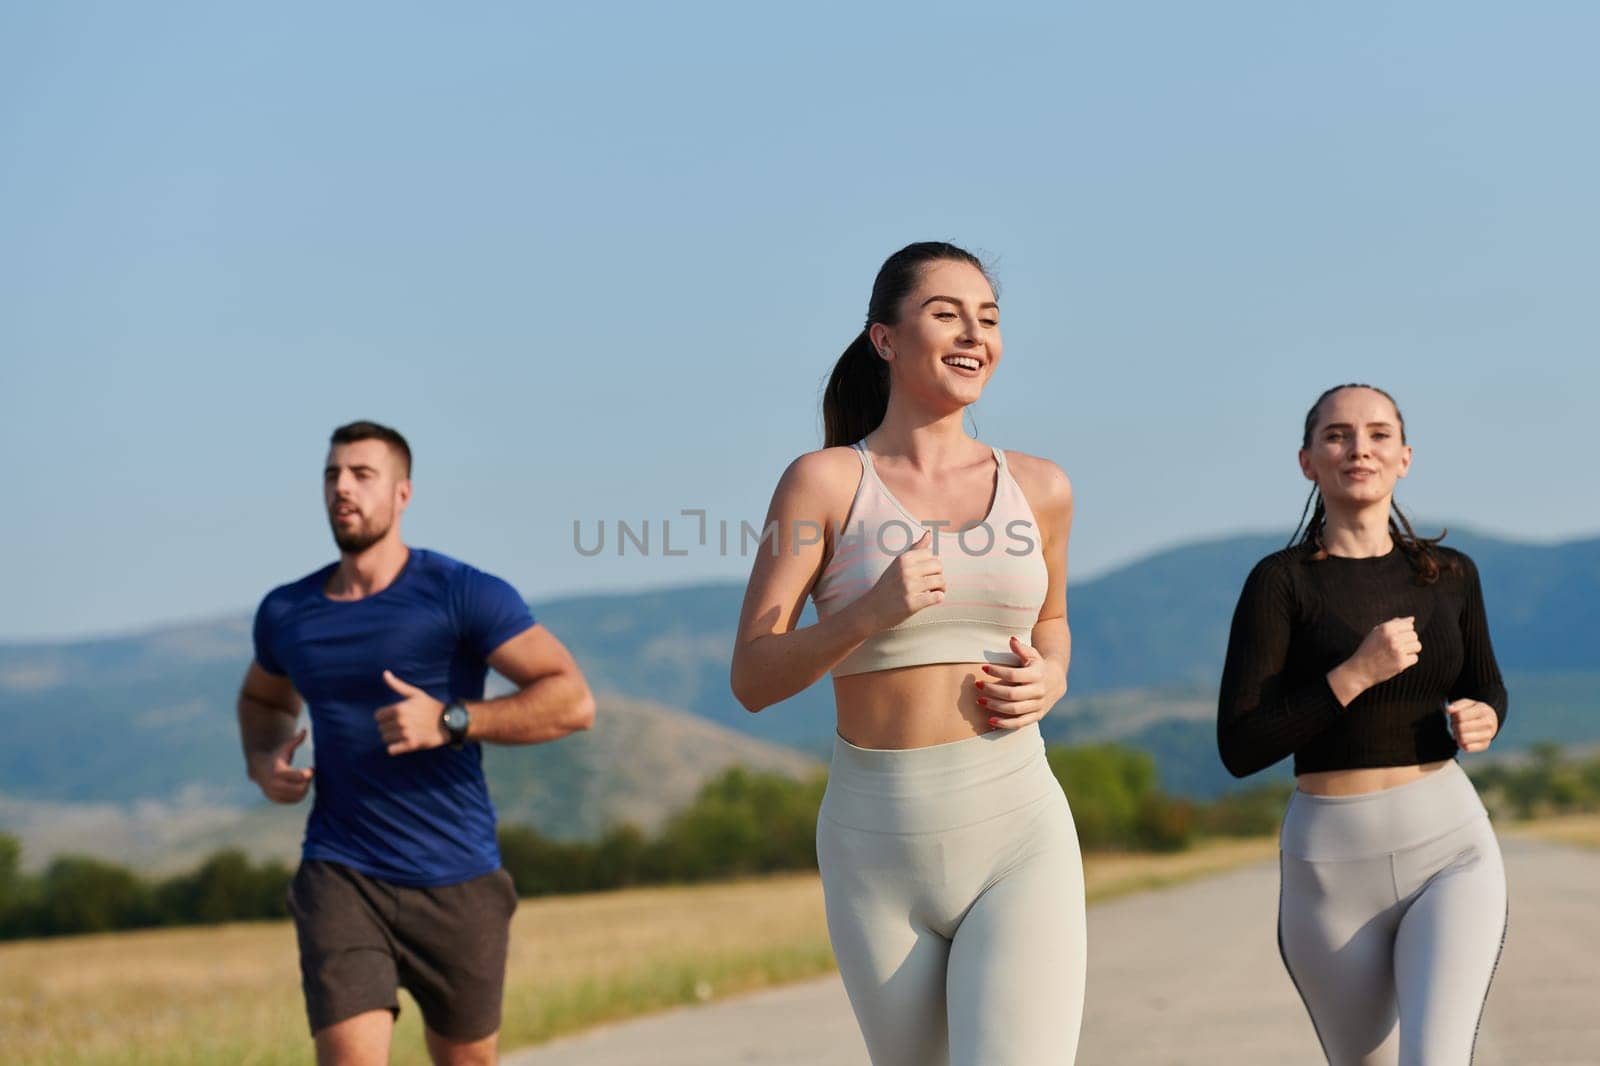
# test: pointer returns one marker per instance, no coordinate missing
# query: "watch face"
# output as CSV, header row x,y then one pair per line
x,y
455,718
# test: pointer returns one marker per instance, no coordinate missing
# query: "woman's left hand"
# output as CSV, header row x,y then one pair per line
x,y
1473,723
1016,696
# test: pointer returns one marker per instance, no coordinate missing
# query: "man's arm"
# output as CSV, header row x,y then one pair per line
x,y
552,700
269,707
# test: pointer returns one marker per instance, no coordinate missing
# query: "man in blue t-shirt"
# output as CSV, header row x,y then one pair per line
x,y
400,882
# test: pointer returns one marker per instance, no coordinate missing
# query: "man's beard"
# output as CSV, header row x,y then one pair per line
x,y
355,541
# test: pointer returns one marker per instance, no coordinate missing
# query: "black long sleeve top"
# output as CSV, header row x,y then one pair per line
x,y
1300,617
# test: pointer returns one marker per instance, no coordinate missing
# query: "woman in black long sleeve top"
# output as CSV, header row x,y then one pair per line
x,y
1363,651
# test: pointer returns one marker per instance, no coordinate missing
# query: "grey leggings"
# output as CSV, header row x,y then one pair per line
x,y
1390,919
954,892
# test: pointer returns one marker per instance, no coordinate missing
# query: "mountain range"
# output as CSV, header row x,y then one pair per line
x,y
100,730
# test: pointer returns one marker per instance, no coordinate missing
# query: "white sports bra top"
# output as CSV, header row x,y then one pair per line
x,y
995,577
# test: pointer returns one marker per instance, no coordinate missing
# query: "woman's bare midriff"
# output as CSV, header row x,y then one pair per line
x,y
1358,782
913,707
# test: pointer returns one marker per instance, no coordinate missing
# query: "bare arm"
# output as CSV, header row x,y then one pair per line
x,y
1020,695
552,697
1053,491
551,701
772,659
269,709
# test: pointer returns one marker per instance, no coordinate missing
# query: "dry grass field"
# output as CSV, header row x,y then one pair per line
x,y
1582,830
230,994
1107,875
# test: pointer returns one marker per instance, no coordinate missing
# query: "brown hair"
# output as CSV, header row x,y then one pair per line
x,y
354,431
857,393
1308,533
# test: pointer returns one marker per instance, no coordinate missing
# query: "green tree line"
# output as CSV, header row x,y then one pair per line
x,y
740,823
1547,781
78,894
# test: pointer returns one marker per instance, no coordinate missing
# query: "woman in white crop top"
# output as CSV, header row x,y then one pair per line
x,y
950,863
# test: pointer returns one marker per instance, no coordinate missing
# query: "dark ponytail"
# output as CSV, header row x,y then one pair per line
x,y
857,393
1308,534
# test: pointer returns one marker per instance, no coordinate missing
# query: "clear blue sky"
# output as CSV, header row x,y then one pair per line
x,y
596,260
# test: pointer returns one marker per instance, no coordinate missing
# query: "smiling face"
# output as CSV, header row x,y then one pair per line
x,y
365,489
1356,449
946,343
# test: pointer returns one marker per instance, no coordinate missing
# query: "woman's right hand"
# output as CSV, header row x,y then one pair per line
x,y
913,581
1388,649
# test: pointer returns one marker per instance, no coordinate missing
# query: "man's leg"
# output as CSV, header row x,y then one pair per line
x,y
347,964
359,1041
452,943
447,1052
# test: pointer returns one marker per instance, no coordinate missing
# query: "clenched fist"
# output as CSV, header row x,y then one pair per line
x,y
277,776
1390,648
1473,724
913,581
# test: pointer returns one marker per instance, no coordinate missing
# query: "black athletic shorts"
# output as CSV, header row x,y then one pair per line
x,y
362,939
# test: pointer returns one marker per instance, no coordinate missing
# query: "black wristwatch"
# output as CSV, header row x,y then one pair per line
x,y
455,720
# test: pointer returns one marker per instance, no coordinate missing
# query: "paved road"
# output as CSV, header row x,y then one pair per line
x,y
1230,1002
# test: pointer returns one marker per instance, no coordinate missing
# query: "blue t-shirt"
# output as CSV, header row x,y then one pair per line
x,y
423,818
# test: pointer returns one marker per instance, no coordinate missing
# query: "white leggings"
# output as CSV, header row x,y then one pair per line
x,y
954,892
1391,916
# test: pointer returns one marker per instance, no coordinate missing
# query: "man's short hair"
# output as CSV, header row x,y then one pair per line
x,y
354,431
